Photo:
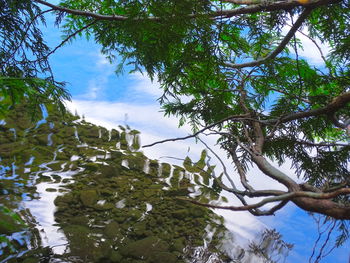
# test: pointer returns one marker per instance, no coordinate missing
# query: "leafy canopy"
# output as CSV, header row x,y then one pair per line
x,y
24,67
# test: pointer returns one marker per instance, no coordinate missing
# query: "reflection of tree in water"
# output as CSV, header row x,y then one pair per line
x,y
113,204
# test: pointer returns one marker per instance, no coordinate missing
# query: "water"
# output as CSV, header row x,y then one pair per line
x,y
87,195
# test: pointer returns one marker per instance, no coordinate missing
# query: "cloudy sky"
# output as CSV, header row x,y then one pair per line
x,y
110,100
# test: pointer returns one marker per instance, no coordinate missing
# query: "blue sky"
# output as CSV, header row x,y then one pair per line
x,y
110,100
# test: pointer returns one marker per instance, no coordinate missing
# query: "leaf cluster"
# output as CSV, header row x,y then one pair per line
x,y
24,67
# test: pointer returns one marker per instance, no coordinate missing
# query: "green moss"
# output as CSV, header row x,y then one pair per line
x,y
64,199
44,178
78,220
153,167
107,206
150,192
166,168
115,257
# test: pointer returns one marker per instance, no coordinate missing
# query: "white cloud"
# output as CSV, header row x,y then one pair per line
x,y
101,70
144,85
309,51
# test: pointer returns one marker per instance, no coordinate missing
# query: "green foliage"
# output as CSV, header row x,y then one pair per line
x,y
24,68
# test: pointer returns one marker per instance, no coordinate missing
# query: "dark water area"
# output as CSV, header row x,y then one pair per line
x,y
71,191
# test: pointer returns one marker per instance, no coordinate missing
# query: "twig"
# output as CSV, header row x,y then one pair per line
x,y
198,132
69,37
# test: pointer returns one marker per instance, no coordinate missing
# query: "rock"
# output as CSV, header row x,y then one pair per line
x,y
93,167
180,213
165,257
112,230
65,199
51,190
88,197
57,178
108,171
147,248
55,166
179,244
115,257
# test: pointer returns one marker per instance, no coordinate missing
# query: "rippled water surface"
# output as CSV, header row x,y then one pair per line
x,y
71,191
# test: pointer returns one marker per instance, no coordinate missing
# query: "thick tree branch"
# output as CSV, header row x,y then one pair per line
x,y
279,48
274,173
329,110
266,7
286,197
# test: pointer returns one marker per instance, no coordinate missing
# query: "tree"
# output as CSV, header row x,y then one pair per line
x,y
243,80
24,67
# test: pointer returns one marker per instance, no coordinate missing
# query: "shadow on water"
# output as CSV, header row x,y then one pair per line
x,y
71,191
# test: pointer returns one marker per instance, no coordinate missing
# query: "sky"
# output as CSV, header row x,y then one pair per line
x,y
110,100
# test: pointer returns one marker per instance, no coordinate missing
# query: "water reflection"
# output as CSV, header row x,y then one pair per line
x,y
88,195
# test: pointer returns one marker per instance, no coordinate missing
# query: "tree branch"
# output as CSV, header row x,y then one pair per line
x,y
279,48
337,103
268,7
232,117
285,197
274,173
70,37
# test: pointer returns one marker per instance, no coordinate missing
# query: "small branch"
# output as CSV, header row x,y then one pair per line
x,y
86,13
325,242
222,163
70,37
322,144
291,95
338,123
232,117
279,48
241,171
315,43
